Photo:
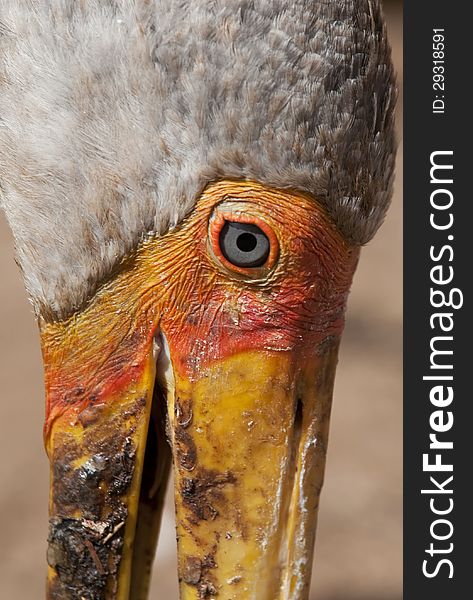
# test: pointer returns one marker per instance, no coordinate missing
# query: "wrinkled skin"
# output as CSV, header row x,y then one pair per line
x,y
248,394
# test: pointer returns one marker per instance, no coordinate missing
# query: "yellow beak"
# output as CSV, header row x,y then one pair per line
x,y
249,441
242,391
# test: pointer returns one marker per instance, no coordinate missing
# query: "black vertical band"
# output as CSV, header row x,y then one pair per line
x,y
438,259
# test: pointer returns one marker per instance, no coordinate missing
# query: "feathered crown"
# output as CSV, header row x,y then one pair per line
x,y
115,114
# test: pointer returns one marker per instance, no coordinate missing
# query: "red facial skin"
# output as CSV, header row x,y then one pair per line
x,y
182,285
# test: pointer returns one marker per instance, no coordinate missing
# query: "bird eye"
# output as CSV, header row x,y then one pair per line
x,y
244,244
241,241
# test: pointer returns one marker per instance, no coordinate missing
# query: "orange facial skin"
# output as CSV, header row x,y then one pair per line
x,y
248,346
180,284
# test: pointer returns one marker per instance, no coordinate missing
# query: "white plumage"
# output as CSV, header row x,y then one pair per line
x,y
115,114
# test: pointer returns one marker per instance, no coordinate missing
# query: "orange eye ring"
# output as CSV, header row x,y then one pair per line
x,y
218,221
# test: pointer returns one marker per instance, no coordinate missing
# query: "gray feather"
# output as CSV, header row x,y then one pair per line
x,y
115,114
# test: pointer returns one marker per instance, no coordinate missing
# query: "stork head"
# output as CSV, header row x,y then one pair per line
x,y
189,185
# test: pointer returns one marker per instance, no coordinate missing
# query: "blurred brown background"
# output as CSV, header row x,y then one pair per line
x,y
359,540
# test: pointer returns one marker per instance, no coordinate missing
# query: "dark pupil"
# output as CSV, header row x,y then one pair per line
x,y
244,244
247,242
